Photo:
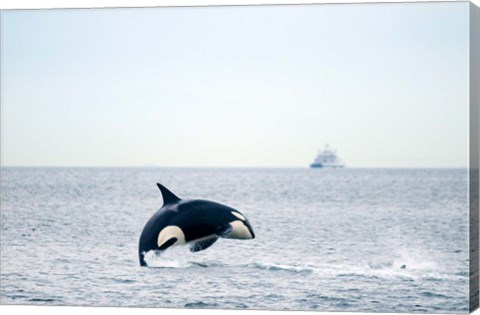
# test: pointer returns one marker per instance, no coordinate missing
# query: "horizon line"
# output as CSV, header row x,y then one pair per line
x,y
231,167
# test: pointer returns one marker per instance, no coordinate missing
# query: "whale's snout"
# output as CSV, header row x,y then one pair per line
x,y
250,229
241,228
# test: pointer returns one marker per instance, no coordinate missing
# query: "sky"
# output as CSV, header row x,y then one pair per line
x,y
251,86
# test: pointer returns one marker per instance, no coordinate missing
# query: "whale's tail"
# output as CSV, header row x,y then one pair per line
x,y
142,259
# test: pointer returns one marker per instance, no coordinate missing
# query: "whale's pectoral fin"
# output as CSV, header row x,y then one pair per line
x,y
223,230
201,245
168,243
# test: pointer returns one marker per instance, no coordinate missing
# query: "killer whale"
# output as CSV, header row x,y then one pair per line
x,y
198,223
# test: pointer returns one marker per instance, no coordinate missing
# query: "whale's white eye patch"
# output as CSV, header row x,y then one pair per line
x,y
238,215
168,232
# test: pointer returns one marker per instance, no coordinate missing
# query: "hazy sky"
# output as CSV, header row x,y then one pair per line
x,y
385,84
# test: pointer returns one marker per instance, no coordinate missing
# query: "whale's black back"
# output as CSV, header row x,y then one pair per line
x,y
209,218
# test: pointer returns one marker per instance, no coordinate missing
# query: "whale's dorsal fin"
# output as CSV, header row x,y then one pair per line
x,y
167,195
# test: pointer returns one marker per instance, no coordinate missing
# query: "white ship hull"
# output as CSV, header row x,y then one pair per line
x,y
333,165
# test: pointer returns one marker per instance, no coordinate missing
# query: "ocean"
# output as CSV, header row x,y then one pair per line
x,y
373,240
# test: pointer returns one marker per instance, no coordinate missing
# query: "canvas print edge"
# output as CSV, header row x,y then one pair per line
x,y
474,156
474,153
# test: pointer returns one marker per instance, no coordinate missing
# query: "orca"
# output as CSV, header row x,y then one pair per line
x,y
198,223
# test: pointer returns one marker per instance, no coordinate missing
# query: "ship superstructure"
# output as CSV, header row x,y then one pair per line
x,y
327,158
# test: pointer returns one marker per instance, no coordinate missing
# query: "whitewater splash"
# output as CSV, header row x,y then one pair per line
x,y
407,262
403,263
175,257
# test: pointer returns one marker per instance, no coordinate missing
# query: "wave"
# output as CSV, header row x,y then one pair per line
x,y
181,257
406,264
280,267
200,304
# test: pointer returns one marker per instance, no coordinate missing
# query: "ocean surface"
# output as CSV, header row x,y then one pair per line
x,y
390,240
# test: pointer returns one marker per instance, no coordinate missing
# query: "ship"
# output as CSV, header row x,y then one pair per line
x,y
327,158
